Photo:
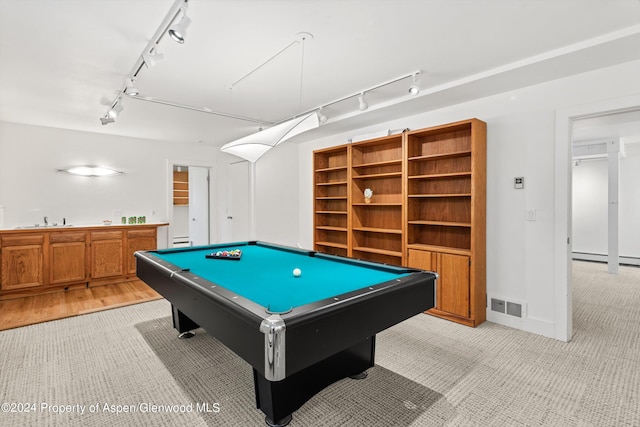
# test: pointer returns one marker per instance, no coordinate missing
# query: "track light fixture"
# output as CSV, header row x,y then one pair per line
x,y
362,104
115,109
106,120
175,25
414,89
152,57
321,117
131,89
178,31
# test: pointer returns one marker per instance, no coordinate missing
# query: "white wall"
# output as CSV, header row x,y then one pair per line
x,y
590,205
521,142
277,193
31,187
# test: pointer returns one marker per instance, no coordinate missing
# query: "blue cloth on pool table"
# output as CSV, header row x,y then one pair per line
x,y
265,275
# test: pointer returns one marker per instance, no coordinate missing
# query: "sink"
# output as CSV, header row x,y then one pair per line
x,y
27,227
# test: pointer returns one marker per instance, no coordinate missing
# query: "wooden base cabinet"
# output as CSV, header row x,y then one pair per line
x,y
44,261
23,261
107,254
67,255
453,287
139,240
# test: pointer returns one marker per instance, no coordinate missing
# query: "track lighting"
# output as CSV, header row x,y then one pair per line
x,y
178,31
362,104
115,110
131,89
152,57
106,120
321,117
414,89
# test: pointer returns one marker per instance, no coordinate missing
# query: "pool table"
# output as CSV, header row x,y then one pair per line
x,y
299,333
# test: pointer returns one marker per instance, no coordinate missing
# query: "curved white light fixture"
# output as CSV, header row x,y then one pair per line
x,y
89,170
253,146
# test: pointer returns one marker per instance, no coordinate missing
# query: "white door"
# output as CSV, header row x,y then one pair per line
x,y
198,206
237,221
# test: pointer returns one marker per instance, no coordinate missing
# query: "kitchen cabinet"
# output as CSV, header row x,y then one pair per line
x,y
139,240
52,259
23,261
67,257
107,254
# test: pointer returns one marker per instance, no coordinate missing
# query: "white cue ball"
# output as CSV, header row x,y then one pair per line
x,y
297,272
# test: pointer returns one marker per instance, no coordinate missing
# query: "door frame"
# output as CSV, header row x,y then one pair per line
x,y
562,298
213,212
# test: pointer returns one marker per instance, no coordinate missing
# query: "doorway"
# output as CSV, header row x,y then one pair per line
x,y
190,225
563,307
239,202
605,167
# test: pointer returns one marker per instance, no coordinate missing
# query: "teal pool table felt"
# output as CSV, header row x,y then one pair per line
x,y
265,275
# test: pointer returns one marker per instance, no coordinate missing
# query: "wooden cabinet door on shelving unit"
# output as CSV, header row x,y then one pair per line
x,y
377,224
331,197
452,286
446,214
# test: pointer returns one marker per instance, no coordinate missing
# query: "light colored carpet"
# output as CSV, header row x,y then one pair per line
x,y
428,372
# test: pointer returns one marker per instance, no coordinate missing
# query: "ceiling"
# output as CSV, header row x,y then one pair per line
x,y
63,62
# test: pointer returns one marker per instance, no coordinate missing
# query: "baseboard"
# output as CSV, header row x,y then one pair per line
x,y
623,260
527,324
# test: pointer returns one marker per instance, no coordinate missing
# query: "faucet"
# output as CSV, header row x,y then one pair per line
x,y
46,221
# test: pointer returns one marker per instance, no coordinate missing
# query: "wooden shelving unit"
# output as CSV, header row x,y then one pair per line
x,y
180,188
446,205
377,225
428,208
331,195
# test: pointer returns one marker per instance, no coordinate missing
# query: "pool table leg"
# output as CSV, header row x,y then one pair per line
x,y
280,423
278,399
182,323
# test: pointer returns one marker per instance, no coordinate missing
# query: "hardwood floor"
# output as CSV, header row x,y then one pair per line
x,y
43,308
